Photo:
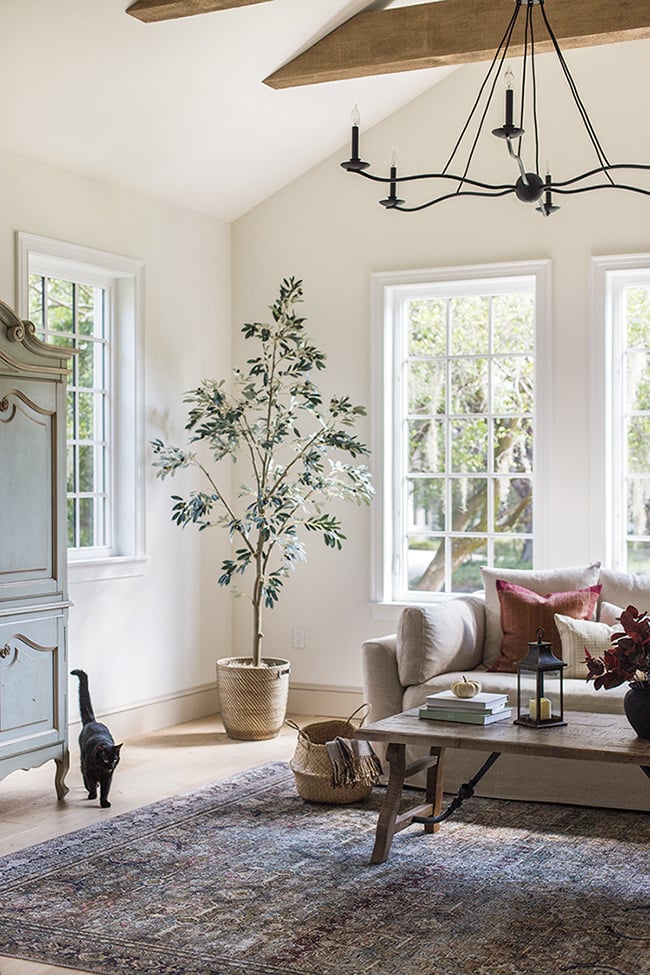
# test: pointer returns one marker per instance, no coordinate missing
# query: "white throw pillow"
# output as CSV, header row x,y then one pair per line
x,y
578,634
434,640
610,614
543,582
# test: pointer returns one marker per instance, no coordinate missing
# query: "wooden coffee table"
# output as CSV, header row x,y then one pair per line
x,y
588,737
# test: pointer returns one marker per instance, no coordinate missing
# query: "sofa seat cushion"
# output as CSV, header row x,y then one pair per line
x,y
524,614
539,581
434,639
578,694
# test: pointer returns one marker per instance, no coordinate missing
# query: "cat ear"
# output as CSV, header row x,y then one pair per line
x,y
118,748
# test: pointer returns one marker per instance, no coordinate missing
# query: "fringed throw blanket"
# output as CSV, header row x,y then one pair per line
x,y
353,762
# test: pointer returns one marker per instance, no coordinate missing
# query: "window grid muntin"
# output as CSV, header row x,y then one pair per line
x,y
99,442
403,476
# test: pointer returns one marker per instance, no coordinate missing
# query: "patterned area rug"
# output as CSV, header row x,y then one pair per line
x,y
244,878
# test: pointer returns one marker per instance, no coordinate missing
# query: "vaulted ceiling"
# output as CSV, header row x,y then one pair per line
x,y
178,108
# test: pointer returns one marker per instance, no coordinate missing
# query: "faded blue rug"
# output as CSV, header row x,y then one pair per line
x,y
244,878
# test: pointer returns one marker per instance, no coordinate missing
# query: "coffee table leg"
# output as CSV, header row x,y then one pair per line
x,y
434,788
396,758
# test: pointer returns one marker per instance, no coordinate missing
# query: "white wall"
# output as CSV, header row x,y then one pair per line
x,y
328,229
151,639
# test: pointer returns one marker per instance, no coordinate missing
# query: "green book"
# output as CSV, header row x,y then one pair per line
x,y
465,717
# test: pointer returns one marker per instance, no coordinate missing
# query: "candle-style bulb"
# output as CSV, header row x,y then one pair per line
x,y
509,78
392,200
355,164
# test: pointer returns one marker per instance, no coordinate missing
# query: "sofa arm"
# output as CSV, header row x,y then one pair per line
x,y
382,689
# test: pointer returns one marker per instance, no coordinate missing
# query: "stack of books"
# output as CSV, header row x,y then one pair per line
x,y
483,708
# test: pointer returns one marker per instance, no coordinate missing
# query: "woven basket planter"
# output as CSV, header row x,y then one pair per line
x,y
253,700
312,767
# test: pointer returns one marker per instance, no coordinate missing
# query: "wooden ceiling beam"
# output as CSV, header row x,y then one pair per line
x,y
431,35
151,11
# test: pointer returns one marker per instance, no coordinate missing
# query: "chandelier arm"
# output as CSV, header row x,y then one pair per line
x,y
524,69
452,196
573,88
560,184
501,187
604,186
479,130
515,155
505,40
534,80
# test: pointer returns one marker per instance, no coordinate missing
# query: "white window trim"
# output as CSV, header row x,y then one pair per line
x,y
384,287
127,276
608,534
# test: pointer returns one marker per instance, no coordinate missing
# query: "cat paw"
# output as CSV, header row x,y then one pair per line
x,y
92,795
105,804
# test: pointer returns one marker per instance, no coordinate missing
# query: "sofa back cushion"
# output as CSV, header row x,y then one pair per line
x,y
524,612
624,589
542,581
578,634
432,640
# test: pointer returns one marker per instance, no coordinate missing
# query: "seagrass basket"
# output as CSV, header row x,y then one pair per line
x,y
312,767
253,700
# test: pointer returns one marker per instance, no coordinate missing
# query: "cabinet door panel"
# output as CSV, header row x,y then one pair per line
x,y
27,485
31,682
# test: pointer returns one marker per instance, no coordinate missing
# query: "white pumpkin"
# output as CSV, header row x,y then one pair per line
x,y
466,688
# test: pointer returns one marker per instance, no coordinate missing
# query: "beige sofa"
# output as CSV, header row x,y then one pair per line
x,y
436,645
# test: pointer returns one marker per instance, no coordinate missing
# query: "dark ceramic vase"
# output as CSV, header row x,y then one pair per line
x,y
637,708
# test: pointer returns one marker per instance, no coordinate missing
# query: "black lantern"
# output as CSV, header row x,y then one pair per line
x,y
540,686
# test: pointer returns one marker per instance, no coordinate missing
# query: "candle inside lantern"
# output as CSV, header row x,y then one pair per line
x,y
545,710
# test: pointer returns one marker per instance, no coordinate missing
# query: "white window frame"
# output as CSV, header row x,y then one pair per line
x,y
610,275
386,290
123,279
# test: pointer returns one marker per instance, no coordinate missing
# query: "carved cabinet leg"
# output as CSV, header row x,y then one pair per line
x,y
62,768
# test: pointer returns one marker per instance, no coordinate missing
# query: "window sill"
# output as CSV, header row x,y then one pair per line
x,y
97,570
392,610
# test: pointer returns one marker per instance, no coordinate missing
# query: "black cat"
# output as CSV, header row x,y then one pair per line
x,y
99,753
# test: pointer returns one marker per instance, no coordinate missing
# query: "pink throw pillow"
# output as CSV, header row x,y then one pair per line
x,y
523,611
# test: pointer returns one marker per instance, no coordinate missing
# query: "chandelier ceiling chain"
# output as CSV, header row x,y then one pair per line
x,y
529,187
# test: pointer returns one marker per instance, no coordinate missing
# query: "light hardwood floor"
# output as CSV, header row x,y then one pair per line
x,y
153,766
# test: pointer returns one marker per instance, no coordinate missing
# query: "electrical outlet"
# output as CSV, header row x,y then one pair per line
x,y
298,641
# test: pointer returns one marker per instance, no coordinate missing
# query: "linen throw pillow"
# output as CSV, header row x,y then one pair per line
x,y
609,613
524,611
432,640
538,580
575,635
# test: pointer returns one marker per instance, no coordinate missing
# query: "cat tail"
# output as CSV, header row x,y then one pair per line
x,y
85,704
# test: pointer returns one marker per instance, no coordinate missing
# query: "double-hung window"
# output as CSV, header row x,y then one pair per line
x,y
88,301
621,411
462,356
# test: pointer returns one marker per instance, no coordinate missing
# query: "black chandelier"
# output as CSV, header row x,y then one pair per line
x,y
529,187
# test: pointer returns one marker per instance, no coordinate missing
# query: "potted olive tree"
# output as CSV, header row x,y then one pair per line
x,y
274,420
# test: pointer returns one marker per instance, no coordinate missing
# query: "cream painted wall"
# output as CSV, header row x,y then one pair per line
x,y
154,637
328,229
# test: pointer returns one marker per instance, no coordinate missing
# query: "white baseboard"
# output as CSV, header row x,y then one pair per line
x,y
334,702
141,718
200,702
